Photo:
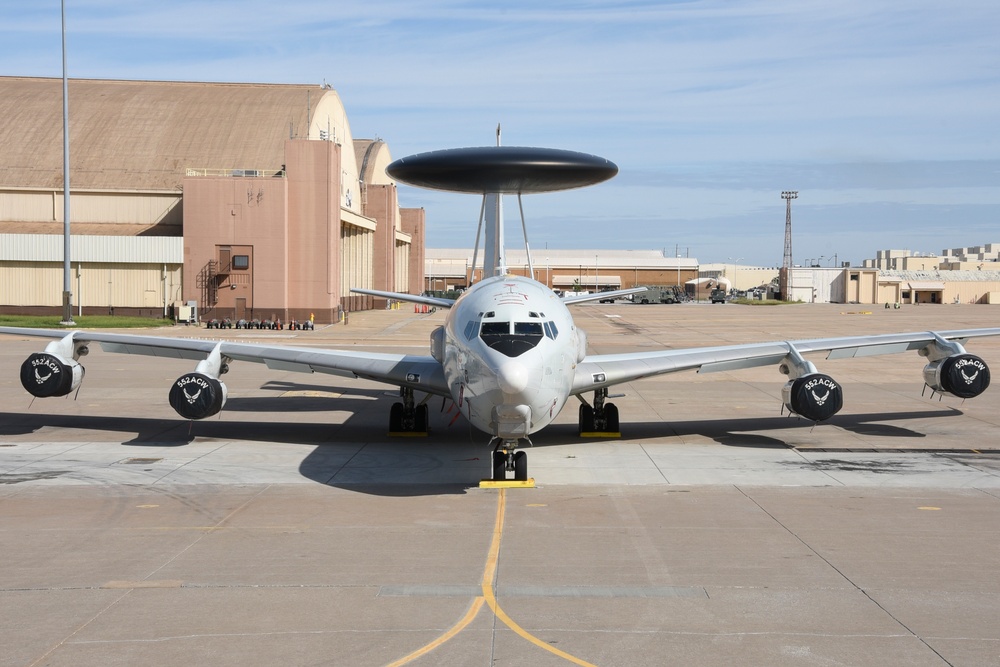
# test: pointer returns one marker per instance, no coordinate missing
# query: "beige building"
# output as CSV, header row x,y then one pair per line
x,y
251,200
591,270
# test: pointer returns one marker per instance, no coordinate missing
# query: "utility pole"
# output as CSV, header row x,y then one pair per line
x,y
786,261
67,319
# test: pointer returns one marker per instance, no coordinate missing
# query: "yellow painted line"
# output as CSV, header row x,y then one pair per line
x,y
477,604
407,434
931,509
507,484
601,434
491,600
488,596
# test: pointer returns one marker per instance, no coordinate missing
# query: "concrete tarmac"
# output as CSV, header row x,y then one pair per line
x,y
291,530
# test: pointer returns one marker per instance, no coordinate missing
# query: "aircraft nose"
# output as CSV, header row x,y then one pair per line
x,y
512,378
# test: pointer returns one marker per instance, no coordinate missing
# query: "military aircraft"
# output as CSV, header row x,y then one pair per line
x,y
509,353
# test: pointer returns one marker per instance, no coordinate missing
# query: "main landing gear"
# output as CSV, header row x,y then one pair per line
x,y
507,458
408,418
601,419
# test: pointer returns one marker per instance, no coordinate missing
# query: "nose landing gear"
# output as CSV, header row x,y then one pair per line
x,y
506,459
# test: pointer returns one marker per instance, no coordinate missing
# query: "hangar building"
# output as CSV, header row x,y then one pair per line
x,y
251,200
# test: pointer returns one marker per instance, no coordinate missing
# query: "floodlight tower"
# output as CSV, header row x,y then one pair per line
x,y
788,196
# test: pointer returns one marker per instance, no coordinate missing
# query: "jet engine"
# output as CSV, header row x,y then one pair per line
x,y
815,396
45,374
197,396
963,375
201,394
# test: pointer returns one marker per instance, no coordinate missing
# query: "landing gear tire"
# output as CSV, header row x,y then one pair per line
x,y
420,419
499,466
396,418
611,418
586,419
520,467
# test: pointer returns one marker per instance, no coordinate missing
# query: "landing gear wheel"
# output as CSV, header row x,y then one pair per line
x,y
420,419
520,467
586,419
396,418
499,466
611,418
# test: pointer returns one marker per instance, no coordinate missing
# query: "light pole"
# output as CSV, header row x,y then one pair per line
x,y
735,263
67,319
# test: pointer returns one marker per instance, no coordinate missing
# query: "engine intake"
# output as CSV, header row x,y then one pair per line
x,y
44,374
815,396
962,375
197,396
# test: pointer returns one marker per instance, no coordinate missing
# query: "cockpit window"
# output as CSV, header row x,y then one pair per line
x,y
499,337
550,330
528,328
470,329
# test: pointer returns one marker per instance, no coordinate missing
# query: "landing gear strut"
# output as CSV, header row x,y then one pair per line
x,y
600,419
506,458
407,418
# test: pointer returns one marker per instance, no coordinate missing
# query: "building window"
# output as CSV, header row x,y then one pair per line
x,y
241,262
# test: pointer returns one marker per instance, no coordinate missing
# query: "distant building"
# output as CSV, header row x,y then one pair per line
x,y
451,268
250,200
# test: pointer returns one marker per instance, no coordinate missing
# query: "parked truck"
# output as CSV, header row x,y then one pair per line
x,y
659,294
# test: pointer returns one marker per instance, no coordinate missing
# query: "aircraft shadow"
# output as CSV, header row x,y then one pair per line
x,y
357,454
740,432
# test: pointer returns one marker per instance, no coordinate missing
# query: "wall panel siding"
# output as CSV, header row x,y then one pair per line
x,y
93,285
110,207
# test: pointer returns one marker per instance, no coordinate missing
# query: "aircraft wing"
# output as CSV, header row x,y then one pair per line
x,y
439,302
421,373
605,370
595,296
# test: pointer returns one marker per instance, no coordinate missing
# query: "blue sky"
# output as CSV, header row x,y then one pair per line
x,y
885,116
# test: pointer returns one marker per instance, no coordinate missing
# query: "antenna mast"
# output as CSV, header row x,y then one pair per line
x,y
788,196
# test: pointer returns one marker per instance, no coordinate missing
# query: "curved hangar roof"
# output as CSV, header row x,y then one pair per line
x,y
502,169
143,135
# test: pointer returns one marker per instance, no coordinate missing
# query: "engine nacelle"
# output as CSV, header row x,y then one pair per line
x,y
815,396
962,375
44,374
196,395
437,344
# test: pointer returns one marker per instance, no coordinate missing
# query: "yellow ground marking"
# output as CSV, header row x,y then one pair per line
x,y
507,484
477,604
929,508
600,434
145,507
312,393
488,576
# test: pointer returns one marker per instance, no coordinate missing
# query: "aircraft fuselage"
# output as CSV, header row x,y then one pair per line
x,y
510,355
